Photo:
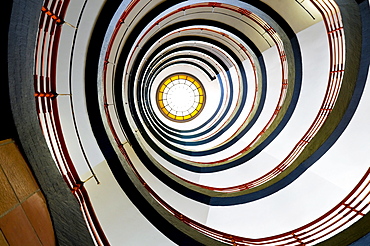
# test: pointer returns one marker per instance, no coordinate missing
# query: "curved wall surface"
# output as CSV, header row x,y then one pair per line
x,y
197,122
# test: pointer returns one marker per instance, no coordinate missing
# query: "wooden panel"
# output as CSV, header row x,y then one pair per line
x,y
17,171
17,229
3,241
28,223
38,215
7,197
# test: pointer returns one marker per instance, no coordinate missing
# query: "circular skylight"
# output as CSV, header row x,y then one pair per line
x,y
180,97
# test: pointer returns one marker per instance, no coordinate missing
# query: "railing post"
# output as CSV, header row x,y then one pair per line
x,y
57,19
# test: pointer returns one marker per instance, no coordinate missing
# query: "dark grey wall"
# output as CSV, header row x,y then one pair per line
x,y
68,222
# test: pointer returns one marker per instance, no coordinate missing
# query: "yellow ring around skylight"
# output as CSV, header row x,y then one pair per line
x,y
180,97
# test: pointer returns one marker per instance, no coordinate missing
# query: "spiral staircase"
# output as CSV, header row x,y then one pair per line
x,y
193,122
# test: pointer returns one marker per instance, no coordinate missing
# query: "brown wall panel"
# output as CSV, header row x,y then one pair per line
x,y
17,171
24,216
17,228
3,241
7,197
38,215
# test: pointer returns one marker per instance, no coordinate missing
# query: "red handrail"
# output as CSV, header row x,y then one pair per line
x,y
332,20
46,57
355,202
